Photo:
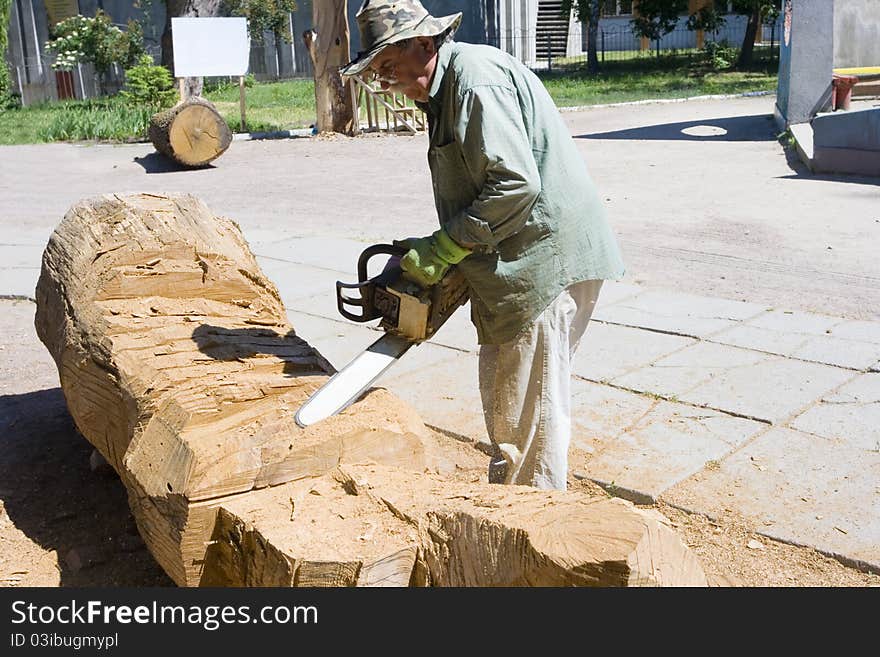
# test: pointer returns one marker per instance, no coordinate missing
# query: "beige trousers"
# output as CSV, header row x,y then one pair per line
x,y
525,385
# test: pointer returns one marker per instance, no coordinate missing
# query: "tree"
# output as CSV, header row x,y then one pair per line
x,y
657,18
588,12
95,40
328,48
5,81
708,19
263,16
179,9
754,9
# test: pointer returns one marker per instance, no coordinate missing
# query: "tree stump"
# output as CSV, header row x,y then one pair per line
x,y
179,366
191,133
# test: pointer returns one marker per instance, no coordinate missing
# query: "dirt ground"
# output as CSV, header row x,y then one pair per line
x,y
64,524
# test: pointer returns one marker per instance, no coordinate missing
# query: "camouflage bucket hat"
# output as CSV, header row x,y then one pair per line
x,y
383,23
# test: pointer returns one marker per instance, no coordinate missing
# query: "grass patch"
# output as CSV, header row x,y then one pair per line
x,y
648,78
268,106
105,119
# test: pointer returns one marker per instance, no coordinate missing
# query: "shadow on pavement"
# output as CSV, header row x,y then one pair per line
x,y
155,162
759,127
52,496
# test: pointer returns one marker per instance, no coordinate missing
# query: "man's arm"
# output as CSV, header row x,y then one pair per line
x,y
496,147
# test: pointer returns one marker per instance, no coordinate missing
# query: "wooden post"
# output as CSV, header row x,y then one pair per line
x,y
181,86
241,102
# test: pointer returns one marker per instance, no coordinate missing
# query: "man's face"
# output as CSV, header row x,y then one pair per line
x,y
406,67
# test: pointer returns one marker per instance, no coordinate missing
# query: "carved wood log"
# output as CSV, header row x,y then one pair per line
x,y
179,366
191,133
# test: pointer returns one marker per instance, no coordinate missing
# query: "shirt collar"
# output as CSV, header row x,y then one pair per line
x,y
435,93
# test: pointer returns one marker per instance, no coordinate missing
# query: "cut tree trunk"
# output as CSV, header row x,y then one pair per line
x,y
191,133
179,366
328,48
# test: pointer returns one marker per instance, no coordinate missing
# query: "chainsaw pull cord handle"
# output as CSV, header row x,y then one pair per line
x,y
366,285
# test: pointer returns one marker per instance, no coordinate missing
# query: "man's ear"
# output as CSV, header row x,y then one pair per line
x,y
426,46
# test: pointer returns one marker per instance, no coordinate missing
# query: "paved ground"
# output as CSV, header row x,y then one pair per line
x,y
736,368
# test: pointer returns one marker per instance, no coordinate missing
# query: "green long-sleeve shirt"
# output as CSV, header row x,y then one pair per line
x,y
508,178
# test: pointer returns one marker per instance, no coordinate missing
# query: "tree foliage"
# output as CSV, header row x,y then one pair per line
x,y
81,39
263,16
708,18
5,81
657,18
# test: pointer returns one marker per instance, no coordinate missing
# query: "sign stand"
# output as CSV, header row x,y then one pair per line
x,y
241,101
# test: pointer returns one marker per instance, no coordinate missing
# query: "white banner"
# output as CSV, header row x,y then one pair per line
x,y
210,46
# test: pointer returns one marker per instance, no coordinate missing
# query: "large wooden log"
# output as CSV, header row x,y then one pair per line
x,y
191,133
178,364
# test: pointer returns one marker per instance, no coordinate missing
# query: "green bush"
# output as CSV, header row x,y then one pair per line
x,y
81,39
718,56
150,85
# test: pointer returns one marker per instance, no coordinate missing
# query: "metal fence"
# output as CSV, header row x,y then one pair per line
x,y
619,43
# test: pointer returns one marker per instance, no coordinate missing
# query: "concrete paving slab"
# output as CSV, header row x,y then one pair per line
x,y
858,330
608,350
666,446
842,353
797,487
851,414
599,413
770,390
17,256
313,327
347,342
324,252
790,321
21,281
458,331
772,341
322,304
684,314
614,291
447,398
25,363
297,283
676,374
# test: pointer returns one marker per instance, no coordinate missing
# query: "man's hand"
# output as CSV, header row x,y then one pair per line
x,y
428,258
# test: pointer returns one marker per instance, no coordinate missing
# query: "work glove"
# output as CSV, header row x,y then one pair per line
x,y
429,258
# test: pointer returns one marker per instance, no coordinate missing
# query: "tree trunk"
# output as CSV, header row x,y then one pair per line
x,y
748,44
178,9
191,133
178,364
328,48
592,38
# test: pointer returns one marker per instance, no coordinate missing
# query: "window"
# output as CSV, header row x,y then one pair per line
x,y
617,7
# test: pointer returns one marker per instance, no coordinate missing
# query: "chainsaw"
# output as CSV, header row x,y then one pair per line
x,y
409,314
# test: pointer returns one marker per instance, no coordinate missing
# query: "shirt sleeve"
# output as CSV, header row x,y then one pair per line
x,y
497,151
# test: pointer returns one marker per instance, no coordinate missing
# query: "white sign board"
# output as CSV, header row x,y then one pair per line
x,y
210,46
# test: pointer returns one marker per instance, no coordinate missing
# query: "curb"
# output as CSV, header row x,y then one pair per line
x,y
663,101
278,134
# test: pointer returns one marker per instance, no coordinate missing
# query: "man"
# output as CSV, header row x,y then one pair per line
x,y
519,216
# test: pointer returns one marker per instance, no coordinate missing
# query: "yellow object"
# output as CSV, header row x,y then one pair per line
x,y
862,70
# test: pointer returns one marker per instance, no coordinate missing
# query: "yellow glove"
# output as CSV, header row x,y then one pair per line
x,y
428,258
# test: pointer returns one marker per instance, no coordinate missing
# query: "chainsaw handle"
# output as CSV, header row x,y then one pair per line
x,y
376,249
366,285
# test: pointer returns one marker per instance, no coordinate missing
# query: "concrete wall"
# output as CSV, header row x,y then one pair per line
x,y
856,33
